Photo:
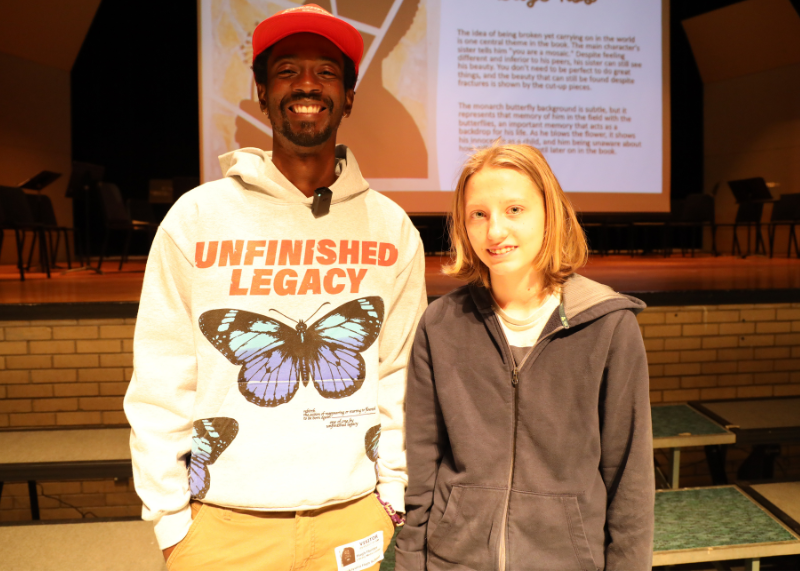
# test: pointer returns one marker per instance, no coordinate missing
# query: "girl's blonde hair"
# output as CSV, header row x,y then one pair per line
x,y
564,248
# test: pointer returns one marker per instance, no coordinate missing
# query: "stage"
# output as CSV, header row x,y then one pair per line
x,y
715,328
659,281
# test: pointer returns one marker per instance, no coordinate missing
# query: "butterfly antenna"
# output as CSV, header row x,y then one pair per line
x,y
286,316
320,307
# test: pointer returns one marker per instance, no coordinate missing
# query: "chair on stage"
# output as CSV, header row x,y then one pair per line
x,y
651,231
17,216
117,218
8,226
141,212
692,214
617,229
42,209
785,212
594,227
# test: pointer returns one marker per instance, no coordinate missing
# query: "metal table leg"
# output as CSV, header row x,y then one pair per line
x,y
676,468
715,456
34,499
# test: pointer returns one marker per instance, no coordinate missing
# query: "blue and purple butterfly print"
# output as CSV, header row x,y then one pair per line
x,y
275,357
371,440
210,438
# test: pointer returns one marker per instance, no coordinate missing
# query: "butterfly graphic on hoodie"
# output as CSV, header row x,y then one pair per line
x,y
275,357
210,438
371,440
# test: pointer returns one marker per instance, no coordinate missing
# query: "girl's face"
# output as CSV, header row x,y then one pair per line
x,y
504,214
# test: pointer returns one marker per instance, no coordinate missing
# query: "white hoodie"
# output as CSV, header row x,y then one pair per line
x,y
272,345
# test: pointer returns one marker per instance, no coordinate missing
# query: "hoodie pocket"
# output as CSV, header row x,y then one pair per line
x,y
546,531
470,527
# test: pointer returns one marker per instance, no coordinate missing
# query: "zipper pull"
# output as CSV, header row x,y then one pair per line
x,y
514,378
563,316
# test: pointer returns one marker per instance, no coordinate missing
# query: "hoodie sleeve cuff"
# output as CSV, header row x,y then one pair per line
x,y
172,528
393,493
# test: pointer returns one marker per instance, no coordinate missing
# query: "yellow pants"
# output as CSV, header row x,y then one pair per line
x,y
227,539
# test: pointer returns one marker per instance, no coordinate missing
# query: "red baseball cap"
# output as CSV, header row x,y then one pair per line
x,y
309,18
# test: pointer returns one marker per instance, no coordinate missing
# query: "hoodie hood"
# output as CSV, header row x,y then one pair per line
x,y
582,300
254,170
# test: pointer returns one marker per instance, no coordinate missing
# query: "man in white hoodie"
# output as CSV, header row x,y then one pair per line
x,y
276,317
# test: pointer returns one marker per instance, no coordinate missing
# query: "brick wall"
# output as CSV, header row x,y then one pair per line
x,y
75,372
61,373
722,352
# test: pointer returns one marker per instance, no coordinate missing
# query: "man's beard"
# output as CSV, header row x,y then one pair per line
x,y
306,137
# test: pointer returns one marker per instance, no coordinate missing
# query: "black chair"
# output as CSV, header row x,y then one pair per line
x,y
594,227
117,218
4,225
648,230
141,212
17,216
691,215
785,212
42,210
618,232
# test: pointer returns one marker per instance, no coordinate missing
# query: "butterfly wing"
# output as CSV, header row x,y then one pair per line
x,y
354,325
265,348
210,438
371,440
337,367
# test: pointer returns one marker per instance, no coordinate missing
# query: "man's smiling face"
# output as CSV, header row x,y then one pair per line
x,y
305,96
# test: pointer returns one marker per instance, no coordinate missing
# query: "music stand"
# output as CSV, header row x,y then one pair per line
x,y
40,181
85,179
750,190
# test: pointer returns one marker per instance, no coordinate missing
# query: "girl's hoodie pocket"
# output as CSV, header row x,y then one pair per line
x,y
469,531
545,531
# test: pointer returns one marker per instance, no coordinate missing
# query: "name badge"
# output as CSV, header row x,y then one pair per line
x,y
361,554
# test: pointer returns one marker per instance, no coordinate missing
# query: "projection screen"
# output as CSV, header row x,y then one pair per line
x,y
585,81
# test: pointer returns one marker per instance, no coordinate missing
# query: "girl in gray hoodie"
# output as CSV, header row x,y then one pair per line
x,y
528,418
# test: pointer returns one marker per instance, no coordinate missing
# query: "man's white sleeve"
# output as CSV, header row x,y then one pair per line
x,y
409,300
161,394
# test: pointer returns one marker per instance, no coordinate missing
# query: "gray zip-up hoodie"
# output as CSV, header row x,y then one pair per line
x,y
544,464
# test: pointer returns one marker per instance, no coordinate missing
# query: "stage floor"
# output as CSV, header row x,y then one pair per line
x,y
700,280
